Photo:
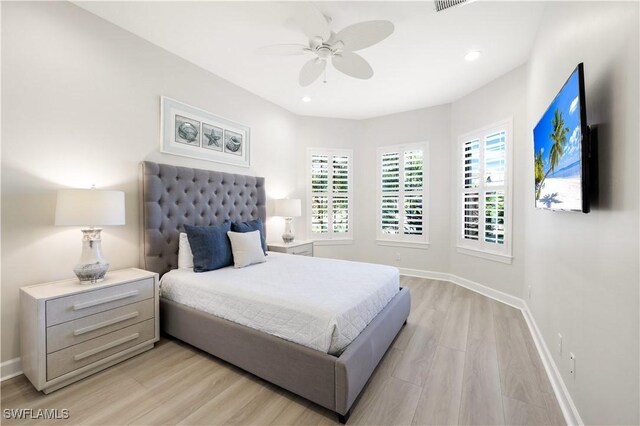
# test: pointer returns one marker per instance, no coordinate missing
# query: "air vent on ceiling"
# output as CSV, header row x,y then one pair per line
x,y
446,4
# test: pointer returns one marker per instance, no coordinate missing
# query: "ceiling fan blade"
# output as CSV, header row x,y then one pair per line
x,y
364,34
283,49
352,64
311,71
311,21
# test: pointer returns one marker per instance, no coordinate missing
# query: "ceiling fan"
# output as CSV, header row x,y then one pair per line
x,y
325,44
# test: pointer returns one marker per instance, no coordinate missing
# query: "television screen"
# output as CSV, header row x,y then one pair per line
x,y
560,160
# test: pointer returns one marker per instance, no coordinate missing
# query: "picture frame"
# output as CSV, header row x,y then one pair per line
x,y
193,132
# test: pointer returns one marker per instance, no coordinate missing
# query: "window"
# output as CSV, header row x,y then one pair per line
x,y
485,193
402,195
330,195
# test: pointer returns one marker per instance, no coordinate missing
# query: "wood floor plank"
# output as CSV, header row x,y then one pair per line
x,y
518,413
438,295
439,402
413,365
504,310
536,361
481,400
137,405
481,319
554,412
192,396
394,403
518,379
226,404
456,323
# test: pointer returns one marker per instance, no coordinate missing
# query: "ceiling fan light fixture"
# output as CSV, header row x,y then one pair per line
x,y
472,55
329,46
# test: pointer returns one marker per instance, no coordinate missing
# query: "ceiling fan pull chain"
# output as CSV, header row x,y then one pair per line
x,y
325,76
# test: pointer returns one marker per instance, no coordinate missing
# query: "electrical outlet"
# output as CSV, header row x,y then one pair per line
x,y
397,256
572,364
559,346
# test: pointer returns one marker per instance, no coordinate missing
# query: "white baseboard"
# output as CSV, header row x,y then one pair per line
x,y
440,276
11,368
569,410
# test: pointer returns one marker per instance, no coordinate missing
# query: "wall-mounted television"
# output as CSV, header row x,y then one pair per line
x,y
561,150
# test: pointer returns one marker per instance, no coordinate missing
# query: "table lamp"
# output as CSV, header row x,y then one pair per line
x,y
287,208
90,208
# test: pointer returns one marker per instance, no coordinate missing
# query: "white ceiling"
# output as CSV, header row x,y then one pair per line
x,y
421,64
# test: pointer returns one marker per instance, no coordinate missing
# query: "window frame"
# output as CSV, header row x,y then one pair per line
x,y
481,248
331,237
401,239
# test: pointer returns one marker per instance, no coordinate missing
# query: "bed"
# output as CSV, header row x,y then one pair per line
x,y
330,372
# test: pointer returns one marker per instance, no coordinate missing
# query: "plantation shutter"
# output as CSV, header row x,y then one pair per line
x,y
330,195
484,190
471,197
390,213
401,193
413,199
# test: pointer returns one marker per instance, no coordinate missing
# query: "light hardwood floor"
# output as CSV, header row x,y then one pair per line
x,y
462,358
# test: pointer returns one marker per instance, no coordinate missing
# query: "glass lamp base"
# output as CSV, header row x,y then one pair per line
x,y
288,236
92,266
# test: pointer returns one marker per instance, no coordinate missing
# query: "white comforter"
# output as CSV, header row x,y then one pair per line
x,y
319,303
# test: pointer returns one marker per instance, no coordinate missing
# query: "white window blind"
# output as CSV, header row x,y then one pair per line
x,y
485,211
330,194
402,193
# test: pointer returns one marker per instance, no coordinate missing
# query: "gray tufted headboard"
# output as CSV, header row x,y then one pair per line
x,y
176,196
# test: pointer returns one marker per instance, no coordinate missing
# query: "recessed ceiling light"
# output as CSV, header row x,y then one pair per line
x,y
472,56
306,99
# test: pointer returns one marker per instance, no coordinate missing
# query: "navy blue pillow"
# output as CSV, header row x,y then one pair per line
x,y
210,246
252,225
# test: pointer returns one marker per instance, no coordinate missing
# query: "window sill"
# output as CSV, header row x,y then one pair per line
x,y
337,242
496,257
407,244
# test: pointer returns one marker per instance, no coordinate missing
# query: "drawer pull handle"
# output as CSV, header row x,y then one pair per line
x,y
99,325
106,347
79,306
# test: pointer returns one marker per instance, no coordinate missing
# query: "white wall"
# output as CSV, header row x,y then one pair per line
x,y
81,105
501,99
583,268
429,125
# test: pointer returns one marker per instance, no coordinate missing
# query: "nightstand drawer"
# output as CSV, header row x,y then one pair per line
x,y
77,331
304,250
75,357
91,302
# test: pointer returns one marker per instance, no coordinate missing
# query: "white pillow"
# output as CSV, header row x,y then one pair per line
x,y
246,248
185,256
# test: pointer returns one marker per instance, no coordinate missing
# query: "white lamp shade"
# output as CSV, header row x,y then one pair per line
x,y
89,207
287,207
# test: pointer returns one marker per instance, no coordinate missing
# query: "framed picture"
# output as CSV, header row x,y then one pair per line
x,y
192,132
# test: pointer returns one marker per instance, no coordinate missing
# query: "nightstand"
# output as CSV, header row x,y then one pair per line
x,y
70,330
301,248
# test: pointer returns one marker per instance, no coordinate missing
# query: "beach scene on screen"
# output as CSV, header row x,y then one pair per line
x,y
557,145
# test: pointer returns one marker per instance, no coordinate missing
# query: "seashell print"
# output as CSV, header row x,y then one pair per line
x,y
234,144
188,131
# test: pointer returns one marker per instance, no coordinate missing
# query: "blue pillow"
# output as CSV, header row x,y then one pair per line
x,y
210,246
252,225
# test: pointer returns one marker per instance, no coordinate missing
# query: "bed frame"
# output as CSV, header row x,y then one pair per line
x,y
177,196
